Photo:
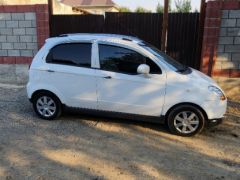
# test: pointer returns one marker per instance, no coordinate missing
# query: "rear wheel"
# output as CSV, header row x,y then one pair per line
x,y
186,120
47,105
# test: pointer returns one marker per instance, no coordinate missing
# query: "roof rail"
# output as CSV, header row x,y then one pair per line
x,y
126,39
63,35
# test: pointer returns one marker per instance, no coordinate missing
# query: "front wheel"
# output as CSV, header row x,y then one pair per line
x,y
186,120
47,106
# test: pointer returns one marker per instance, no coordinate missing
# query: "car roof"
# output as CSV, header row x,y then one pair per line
x,y
92,36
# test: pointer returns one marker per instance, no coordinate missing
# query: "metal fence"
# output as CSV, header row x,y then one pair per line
x,y
183,30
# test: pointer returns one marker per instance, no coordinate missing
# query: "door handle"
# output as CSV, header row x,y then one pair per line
x,y
107,77
50,71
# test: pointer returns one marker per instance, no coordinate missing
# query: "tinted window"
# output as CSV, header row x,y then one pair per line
x,y
118,59
170,61
154,68
77,54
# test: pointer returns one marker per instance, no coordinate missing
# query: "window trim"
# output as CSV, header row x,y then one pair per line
x,y
77,42
124,47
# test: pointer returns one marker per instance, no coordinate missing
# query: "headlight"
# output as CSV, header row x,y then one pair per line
x,y
217,91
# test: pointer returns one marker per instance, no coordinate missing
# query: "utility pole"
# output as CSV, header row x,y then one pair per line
x,y
50,13
200,32
164,26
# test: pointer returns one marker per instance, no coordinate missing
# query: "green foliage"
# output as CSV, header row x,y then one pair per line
x,y
196,10
159,8
183,6
142,10
124,9
169,6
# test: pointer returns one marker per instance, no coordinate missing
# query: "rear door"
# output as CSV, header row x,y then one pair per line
x,y
69,71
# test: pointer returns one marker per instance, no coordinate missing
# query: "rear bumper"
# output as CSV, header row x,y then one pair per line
x,y
214,122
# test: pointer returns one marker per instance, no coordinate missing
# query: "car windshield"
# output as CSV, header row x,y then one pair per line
x,y
173,64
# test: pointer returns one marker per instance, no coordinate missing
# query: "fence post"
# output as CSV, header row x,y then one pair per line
x,y
164,26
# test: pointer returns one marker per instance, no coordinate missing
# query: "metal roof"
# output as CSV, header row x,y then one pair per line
x,y
79,3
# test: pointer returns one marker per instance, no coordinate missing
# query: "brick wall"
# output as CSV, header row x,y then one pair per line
x,y
18,34
228,53
221,40
23,30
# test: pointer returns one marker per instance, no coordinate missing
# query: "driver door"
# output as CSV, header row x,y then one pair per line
x,y
121,89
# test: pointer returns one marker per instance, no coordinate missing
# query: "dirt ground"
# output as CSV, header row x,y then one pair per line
x,y
85,147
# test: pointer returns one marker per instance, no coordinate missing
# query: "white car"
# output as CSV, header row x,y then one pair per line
x,y
122,76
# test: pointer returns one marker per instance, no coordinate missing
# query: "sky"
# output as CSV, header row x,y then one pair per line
x,y
151,4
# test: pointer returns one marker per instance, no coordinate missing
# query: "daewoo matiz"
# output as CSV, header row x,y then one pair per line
x,y
122,76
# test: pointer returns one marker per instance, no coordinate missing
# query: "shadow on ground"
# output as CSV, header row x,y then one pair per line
x,y
87,147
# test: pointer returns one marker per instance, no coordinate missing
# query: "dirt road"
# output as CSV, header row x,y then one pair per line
x,y
85,147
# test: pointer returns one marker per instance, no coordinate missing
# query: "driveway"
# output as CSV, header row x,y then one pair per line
x,y
87,147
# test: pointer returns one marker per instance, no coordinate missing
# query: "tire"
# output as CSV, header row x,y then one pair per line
x,y
185,120
47,106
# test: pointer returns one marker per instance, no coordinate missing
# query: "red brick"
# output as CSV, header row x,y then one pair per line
x,y
234,73
42,16
26,8
42,24
9,60
43,32
23,60
210,40
211,32
214,4
41,8
230,5
1,60
212,22
213,13
10,8
1,8
221,72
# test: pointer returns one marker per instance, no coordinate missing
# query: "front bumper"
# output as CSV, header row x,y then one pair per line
x,y
215,109
214,122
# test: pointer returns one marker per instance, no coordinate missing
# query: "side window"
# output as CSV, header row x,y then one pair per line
x,y
118,59
75,54
154,68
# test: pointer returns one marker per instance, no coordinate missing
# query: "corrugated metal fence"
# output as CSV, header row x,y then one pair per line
x,y
183,30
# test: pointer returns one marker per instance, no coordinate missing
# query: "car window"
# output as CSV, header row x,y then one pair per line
x,y
118,59
76,54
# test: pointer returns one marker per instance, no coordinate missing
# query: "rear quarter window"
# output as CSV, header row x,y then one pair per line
x,y
75,54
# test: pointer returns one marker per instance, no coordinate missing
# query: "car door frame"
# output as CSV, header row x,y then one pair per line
x,y
142,52
47,67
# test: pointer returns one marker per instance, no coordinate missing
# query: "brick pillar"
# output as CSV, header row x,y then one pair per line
x,y
221,39
23,30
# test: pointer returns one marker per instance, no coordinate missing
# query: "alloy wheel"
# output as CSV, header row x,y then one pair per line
x,y
186,122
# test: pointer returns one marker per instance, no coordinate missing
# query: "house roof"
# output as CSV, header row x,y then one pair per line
x,y
79,3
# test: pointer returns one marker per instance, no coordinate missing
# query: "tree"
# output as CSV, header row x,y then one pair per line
x,y
196,10
142,10
169,6
183,6
124,9
159,8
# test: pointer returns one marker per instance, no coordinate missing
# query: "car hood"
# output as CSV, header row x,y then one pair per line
x,y
201,78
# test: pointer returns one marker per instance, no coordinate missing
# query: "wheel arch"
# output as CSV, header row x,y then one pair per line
x,y
44,90
187,103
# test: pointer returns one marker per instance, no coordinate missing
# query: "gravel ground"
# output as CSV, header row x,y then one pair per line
x,y
85,147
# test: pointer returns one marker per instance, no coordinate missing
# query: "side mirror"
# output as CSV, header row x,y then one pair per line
x,y
143,69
